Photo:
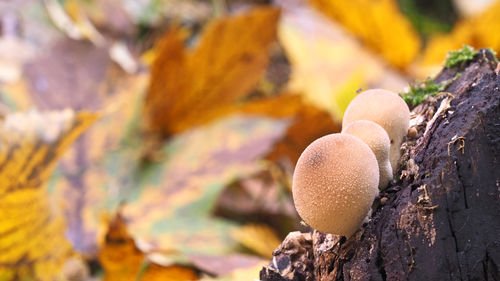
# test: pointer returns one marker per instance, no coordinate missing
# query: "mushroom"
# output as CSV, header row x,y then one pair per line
x,y
377,139
388,110
334,183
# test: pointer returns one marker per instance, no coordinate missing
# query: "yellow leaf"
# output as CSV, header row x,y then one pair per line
x,y
230,58
32,242
480,31
123,261
259,238
328,65
379,24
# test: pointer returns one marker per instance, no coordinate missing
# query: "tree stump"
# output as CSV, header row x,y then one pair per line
x,y
440,220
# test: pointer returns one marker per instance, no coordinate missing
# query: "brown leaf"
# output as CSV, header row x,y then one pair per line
x,y
229,60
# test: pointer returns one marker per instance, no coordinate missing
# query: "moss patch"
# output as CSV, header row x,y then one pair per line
x,y
420,90
459,57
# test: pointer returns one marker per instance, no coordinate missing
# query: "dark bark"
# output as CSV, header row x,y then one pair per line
x,y
441,219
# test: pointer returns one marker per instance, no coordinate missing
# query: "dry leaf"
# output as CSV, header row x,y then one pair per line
x,y
260,197
259,238
309,123
379,24
82,22
32,241
329,65
250,273
200,163
480,31
14,52
189,86
72,21
85,178
226,264
68,75
122,260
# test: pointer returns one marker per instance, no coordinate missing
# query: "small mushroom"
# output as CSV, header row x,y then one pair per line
x,y
377,139
385,108
334,183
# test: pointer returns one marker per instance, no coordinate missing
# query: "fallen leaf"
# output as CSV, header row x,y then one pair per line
x,y
122,260
14,52
16,96
309,124
110,16
376,23
32,242
62,20
189,86
224,265
171,205
85,180
329,65
82,22
259,238
243,274
72,20
68,75
480,31
262,197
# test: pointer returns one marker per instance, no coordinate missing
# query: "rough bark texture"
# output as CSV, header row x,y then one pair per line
x,y
441,219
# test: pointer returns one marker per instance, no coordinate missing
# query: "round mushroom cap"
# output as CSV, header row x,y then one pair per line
x,y
334,183
377,139
385,108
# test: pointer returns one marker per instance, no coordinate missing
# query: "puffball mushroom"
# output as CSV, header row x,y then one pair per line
x,y
334,183
385,108
377,139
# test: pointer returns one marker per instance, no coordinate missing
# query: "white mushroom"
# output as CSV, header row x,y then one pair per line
x,y
377,139
388,110
334,183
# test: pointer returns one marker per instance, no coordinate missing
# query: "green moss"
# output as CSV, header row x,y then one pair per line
x,y
420,90
455,58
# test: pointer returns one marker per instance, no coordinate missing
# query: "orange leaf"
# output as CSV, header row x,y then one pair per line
x,y
309,124
123,261
228,62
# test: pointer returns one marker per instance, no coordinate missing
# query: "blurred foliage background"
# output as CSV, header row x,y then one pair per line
x,y
156,139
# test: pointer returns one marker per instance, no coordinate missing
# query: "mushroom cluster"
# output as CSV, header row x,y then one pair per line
x,y
338,176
